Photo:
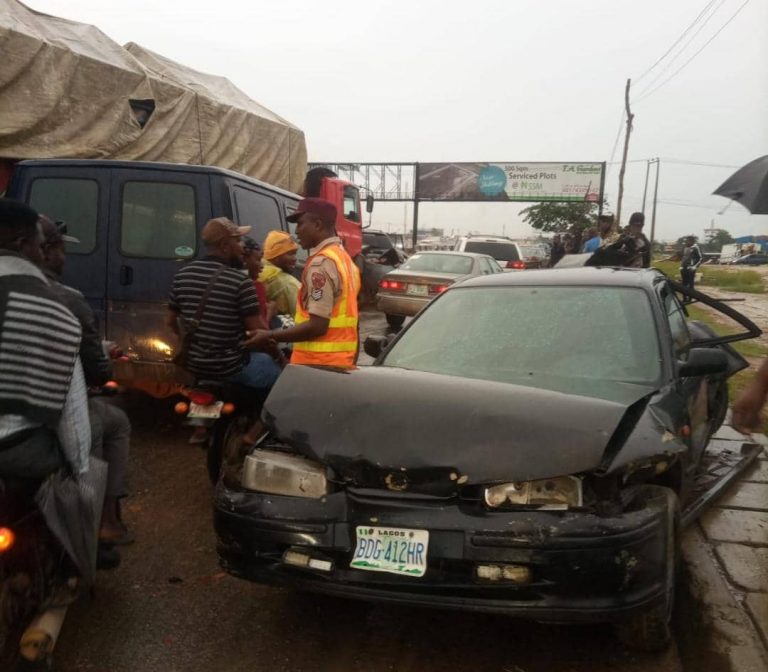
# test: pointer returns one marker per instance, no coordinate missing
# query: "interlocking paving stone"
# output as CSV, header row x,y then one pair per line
x,y
745,495
757,603
757,472
745,565
735,525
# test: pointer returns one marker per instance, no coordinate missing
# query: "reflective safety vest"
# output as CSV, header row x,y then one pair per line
x,y
338,346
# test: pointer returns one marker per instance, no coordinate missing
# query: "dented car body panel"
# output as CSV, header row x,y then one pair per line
x,y
406,445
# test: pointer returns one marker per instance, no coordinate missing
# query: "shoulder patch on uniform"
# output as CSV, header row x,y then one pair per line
x,y
316,294
318,280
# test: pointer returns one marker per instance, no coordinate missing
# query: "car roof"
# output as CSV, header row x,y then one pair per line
x,y
472,255
597,276
489,239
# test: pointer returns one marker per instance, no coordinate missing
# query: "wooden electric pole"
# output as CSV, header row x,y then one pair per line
x,y
630,117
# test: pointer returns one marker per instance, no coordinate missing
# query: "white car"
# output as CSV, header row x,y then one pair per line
x,y
504,250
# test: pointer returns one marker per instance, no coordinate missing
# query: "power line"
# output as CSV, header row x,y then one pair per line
x,y
678,40
682,49
704,46
699,163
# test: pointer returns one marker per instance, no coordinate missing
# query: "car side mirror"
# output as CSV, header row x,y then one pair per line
x,y
375,345
703,362
369,203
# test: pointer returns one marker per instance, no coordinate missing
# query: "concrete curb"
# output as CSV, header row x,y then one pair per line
x,y
714,630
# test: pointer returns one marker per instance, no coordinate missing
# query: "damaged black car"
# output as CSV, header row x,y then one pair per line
x,y
526,446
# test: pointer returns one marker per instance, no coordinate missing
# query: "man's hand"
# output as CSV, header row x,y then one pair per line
x,y
260,339
746,410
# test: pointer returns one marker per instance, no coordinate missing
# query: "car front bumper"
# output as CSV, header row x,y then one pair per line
x,y
583,568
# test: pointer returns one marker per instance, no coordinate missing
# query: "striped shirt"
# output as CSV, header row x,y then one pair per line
x,y
215,349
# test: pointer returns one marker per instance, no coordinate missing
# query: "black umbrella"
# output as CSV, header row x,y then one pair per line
x,y
748,186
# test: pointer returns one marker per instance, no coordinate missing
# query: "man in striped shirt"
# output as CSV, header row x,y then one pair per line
x,y
231,309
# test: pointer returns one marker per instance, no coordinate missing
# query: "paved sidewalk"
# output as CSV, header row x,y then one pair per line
x,y
727,556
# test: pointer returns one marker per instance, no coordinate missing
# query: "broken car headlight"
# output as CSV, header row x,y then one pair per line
x,y
562,492
283,474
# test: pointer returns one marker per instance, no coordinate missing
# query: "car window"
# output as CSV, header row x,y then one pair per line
x,y
378,240
75,202
485,267
158,220
351,204
256,210
678,327
502,251
535,336
439,263
301,254
495,266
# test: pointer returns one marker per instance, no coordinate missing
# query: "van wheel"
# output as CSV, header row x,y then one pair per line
x,y
395,321
650,630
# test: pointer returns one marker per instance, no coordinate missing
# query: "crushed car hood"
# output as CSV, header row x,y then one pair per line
x,y
402,429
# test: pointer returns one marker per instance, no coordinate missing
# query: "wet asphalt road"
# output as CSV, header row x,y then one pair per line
x,y
169,608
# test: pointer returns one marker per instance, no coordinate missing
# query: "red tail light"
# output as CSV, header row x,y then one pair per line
x,y
201,398
7,539
438,289
518,265
393,285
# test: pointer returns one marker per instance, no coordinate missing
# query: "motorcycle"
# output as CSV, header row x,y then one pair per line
x,y
220,414
37,579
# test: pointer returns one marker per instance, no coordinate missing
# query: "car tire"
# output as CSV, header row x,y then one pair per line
x,y
650,630
224,433
395,321
720,407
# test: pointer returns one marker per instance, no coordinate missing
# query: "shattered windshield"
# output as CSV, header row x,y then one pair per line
x,y
548,337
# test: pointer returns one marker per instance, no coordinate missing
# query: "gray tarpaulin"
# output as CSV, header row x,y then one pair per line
x,y
66,91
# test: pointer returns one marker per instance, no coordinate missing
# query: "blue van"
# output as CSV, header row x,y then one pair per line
x,y
138,223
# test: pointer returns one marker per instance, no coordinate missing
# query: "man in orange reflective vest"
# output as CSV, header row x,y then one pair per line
x,y
326,318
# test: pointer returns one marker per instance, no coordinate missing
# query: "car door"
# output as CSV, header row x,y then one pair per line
x,y
156,218
78,196
694,390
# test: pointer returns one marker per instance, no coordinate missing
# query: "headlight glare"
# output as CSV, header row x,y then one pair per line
x,y
283,474
562,492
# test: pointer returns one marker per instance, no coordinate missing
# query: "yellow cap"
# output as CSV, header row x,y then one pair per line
x,y
277,243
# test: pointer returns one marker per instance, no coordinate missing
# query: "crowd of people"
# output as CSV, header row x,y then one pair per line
x,y
234,310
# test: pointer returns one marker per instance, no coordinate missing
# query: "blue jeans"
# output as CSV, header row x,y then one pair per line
x,y
260,372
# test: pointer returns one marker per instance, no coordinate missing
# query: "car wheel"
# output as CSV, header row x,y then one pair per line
x,y
650,630
395,321
719,407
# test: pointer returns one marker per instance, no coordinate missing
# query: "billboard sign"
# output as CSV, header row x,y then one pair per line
x,y
510,181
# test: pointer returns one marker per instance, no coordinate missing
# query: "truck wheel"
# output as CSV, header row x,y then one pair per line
x,y
650,630
395,321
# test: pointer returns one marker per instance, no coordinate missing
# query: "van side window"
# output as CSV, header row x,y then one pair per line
x,y
258,211
158,220
73,201
351,204
301,254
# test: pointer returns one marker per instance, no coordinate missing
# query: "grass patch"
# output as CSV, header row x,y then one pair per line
x,y
749,348
729,279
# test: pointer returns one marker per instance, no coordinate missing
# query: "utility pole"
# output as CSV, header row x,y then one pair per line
x,y
645,189
630,117
655,198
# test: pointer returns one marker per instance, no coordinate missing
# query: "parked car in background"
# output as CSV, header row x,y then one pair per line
x,y
535,255
756,259
379,248
526,461
504,250
406,290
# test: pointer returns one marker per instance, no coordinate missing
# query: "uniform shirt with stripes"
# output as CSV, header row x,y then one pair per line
x,y
215,349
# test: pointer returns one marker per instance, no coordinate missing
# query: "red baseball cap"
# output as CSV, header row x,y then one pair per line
x,y
319,207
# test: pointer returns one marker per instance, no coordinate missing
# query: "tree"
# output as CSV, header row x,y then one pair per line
x,y
716,240
554,217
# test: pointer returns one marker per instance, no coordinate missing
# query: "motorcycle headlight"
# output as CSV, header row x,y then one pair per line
x,y
282,474
562,492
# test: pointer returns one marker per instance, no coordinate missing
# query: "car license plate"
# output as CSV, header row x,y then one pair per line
x,y
418,290
210,411
393,550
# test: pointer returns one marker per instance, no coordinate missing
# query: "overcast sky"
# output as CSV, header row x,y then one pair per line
x,y
492,80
